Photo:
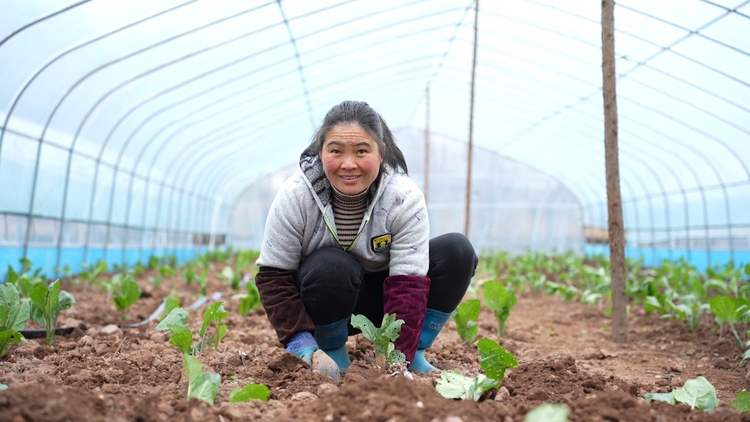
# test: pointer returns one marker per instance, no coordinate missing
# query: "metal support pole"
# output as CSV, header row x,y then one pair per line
x,y
467,215
427,148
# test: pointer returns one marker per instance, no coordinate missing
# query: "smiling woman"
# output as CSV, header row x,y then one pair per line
x,y
349,234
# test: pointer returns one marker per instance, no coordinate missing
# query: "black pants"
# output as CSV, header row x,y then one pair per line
x,y
333,285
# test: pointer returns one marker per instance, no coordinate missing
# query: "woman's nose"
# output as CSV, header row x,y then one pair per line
x,y
349,161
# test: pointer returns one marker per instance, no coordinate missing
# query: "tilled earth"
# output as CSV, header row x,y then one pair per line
x,y
101,372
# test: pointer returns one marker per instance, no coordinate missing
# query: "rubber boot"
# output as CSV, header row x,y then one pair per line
x,y
433,323
331,339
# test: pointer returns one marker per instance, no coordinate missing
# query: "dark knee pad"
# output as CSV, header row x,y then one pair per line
x,y
329,282
452,265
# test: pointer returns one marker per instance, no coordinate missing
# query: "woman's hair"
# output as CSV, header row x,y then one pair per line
x,y
360,113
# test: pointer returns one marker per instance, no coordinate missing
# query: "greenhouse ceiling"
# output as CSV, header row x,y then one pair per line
x,y
103,103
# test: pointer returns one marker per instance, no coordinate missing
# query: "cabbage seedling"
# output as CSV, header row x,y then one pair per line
x,y
214,313
495,360
455,385
382,338
201,385
696,393
129,294
250,391
548,412
14,313
248,301
742,403
466,314
500,300
46,304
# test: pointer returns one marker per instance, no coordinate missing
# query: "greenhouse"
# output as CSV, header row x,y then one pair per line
x,y
154,136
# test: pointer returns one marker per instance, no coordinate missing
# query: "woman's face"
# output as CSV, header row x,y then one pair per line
x,y
351,158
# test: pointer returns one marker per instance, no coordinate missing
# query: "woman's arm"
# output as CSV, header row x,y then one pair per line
x,y
279,259
280,298
405,290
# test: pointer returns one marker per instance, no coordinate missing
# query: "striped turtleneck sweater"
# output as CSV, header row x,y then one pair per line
x,y
348,211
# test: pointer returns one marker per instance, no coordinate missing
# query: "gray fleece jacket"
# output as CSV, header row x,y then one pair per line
x,y
394,233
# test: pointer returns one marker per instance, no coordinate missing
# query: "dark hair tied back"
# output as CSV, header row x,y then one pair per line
x,y
360,113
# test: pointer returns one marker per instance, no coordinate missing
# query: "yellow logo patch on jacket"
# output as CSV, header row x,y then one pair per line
x,y
381,243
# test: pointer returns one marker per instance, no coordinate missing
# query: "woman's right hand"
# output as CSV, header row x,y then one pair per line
x,y
303,345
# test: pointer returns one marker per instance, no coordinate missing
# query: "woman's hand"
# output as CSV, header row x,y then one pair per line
x,y
303,345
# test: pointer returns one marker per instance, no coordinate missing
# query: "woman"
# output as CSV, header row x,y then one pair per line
x,y
349,234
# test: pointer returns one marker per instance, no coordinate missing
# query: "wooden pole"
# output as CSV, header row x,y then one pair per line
x,y
467,215
427,148
612,165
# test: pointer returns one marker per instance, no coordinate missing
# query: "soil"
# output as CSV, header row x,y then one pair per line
x,y
102,372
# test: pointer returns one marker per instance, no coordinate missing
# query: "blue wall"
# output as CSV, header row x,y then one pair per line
x,y
73,257
701,259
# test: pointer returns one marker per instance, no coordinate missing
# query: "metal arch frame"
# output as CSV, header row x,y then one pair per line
x,y
188,163
28,83
730,150
678,182
87,43
164,128
242,162
71,148
554,87
148,143
300,67
76,47
183,190
704,196
42,19
243,119
101,99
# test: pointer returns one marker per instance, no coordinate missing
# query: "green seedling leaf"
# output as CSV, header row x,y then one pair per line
x,y
455,385
202,385
214,313
696,393
3,386
663,397
182,337
495,359
208,316
382,338
745,355
500,300
46,304
129,294
248,301
14,312
724,308
250,391
742,403
171,302
177,316
548,413
466,314
6,338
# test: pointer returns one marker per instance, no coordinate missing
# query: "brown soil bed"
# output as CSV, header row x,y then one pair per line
x,y
564,349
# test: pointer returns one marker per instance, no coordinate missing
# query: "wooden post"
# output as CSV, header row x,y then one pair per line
x,y
611,159
467,219
427,148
